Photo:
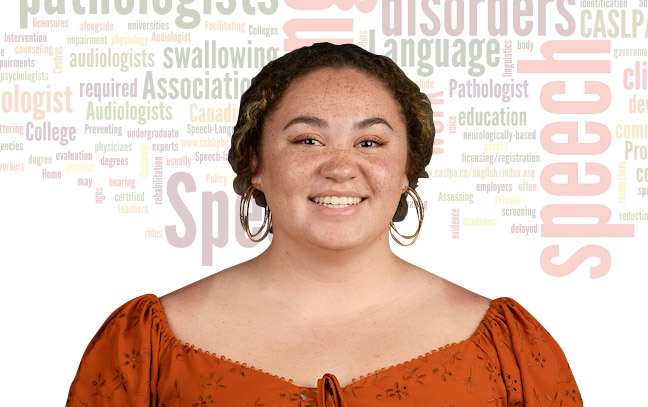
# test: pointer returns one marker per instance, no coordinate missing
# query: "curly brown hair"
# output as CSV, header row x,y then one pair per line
x,y
268,86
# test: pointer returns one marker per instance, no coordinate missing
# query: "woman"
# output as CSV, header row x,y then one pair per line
x,y
331,140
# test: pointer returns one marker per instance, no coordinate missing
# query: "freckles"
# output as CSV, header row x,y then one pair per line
x,y
288,174
383,171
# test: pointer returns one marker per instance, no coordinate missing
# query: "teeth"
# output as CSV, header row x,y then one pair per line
x,y
337,201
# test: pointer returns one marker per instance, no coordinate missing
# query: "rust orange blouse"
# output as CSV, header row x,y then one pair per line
x,y
510,360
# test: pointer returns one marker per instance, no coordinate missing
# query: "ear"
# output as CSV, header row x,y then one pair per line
x,y
405,183
256,179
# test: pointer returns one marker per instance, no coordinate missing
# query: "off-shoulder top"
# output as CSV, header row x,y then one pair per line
x,y
510,360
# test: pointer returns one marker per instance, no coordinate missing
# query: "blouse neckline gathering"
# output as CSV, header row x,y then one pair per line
x,y
289,381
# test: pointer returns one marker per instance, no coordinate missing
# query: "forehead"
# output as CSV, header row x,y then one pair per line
x,y
337,78
343,90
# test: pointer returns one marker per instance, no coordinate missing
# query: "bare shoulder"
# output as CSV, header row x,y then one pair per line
x,y
449,292
183,307
465,310
199,303
466,301
459,309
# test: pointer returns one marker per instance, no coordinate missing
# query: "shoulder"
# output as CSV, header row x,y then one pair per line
x,y
468,309
123,354
203,303
505,312
532,363
465,302
139,318
133,312
453,298
202,293
508,327
455,310
518,331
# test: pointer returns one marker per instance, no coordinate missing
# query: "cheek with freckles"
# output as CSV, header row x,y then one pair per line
x,y
387,186
280,177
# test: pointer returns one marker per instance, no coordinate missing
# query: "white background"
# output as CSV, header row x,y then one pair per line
x,y
66,263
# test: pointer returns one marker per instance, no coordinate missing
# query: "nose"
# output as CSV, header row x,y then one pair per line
x,y
339,166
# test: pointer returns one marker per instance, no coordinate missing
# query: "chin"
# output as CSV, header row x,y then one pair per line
x,y
330,234
338,239
337,246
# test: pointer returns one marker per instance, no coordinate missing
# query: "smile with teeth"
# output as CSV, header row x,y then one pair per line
x,y
337,201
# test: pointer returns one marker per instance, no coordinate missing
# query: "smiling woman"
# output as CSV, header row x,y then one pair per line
x,y
330,140
334,135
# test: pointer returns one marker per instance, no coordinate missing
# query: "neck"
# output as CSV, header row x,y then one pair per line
x,y
320,283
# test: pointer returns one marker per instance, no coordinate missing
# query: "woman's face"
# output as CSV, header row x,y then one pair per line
x,y
334,155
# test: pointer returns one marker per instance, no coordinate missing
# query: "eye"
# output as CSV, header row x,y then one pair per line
x,y
308,141
369,143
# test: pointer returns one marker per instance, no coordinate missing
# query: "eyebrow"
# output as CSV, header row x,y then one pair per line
x,y
363,124
317,122
311,120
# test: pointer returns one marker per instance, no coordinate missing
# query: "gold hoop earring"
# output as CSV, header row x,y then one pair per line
x,y
418,204
245,205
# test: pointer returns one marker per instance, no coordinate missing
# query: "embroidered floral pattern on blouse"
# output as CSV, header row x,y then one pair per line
x,y
135,360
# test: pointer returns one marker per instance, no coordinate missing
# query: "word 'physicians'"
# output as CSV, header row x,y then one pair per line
x,y
187,16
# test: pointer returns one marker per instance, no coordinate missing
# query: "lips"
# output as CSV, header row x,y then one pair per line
x,y
337,201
